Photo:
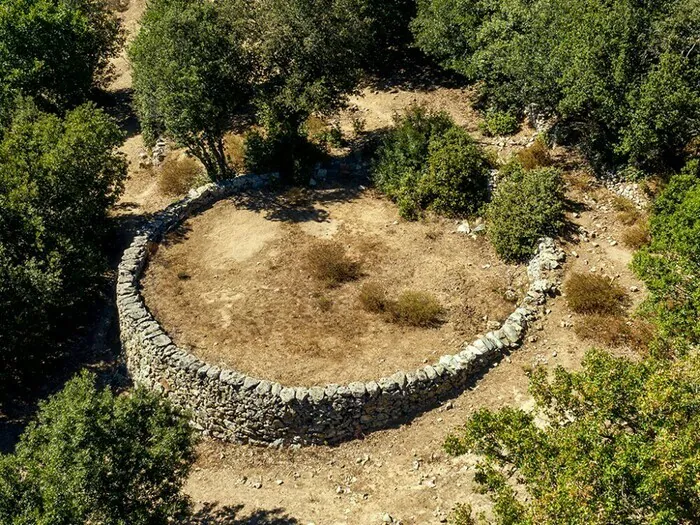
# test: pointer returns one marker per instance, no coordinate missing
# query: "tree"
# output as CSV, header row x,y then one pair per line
x,y
620,75
56,50
308,56
93,457
58,178
192,77
620,446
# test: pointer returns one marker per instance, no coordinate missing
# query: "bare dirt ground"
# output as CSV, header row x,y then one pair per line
x,y
235,287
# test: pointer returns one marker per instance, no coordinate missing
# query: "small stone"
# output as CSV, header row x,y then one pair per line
x,y
279,482
554,354
387,518
634,288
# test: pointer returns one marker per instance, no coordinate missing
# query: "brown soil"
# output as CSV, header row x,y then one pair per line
x,y
234,286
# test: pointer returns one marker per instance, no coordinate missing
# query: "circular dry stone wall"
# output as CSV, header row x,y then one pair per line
x,y
233,406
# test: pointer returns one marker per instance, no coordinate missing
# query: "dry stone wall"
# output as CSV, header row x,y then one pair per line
x,y
233,406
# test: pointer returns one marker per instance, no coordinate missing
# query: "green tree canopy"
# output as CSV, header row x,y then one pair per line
x,y
57,180
55,50
620,446
192,76
92,457
622,74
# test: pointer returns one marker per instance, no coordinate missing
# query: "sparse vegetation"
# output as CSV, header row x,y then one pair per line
x,y
373,298
527,205
536,155
636,236
427,163
588,293
415,308
615,331
329,263
179,175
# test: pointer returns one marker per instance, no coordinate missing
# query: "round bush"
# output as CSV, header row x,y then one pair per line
x,y
527,205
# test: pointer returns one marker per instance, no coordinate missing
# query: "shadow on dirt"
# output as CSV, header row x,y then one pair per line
x,y
212,514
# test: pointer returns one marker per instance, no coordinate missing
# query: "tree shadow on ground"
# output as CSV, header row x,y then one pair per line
x,y
92,343
413,71
212,514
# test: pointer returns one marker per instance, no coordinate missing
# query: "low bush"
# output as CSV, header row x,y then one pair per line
x,y
614,331
527,205
179,175
498,123
428,163
588,293
328,262
373,298
234,147
416,309
536,155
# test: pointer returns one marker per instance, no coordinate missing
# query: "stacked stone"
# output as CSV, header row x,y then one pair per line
x,y
232,406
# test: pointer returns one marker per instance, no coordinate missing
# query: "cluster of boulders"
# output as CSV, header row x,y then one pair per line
x,y
236,407
627,189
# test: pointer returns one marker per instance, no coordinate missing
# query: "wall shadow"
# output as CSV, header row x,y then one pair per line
x,y
213,514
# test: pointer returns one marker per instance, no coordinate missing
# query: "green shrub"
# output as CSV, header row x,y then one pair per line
x,y
670,265
498,123
620,447
594,294
527,205
93,457
428,163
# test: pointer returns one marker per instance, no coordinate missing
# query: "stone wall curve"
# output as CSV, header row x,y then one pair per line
x,y
232,406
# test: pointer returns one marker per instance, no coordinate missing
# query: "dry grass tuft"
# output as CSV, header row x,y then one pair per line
x,y
636,236
329,263
416,309
179,175
234,148
615,331
373,298
535,156
594,294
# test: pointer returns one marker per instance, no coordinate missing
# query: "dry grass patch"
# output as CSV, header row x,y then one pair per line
x,y
535,156
636,236
329,262
615,331
179,175
234,148
594,294
416,309
373,298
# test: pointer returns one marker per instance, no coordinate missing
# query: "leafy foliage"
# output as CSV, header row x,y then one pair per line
x,y
192,77
426,162
621,75
670,265
527,205
620,447
498,123
92,457
57,180
55,50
